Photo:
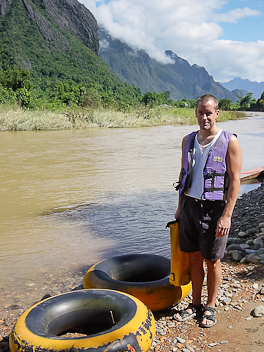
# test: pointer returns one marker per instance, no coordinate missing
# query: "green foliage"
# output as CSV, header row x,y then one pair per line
x,y
244,103
155,99
7,96
260,103
15,86
15,79
225,104
22,46
186,103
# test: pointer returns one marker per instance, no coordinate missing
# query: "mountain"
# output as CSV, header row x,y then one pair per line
x,y
56,40
252,87
180,78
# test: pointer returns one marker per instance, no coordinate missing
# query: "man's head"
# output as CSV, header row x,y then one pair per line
x,y
207,112
208,97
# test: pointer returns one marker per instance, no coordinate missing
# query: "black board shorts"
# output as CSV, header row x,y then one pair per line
x,y
198,220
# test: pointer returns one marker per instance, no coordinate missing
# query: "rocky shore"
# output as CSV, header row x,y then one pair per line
x,y
240,301
246,237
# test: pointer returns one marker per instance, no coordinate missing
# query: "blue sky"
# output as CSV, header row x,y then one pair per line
x,y
224,36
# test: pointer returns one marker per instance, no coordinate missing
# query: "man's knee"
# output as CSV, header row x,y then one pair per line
x,y
196,258
213,264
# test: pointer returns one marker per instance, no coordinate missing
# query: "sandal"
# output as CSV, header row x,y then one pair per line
x,y
208,316
196,312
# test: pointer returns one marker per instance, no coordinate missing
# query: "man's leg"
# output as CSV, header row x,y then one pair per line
x,y
214,275
197,277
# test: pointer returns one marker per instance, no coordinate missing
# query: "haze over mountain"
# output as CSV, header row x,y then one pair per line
x,y
180,78
252,87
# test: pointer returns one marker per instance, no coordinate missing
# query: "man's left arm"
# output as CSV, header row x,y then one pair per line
x,y
233,163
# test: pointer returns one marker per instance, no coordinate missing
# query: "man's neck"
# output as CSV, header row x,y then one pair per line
x,y
205,136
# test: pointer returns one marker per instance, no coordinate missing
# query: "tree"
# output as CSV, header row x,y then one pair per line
x,y
244,103
148,98
17,82
225,104
260,103
15,79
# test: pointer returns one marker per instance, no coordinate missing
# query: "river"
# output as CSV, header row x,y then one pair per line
x,y
72,198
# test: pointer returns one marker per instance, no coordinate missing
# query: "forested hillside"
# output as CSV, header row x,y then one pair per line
x,y
57,42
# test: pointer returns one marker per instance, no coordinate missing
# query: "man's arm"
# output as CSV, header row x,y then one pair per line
x,y
177,214
234,163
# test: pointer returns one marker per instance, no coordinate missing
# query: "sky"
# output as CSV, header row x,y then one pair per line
x,y
226,37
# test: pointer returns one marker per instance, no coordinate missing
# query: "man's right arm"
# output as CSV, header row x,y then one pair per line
x,y
177,214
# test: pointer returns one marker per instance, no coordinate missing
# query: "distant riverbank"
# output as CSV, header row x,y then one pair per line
x,y
18,119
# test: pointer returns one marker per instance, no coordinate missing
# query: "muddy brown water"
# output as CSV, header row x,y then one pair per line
x,y
72,198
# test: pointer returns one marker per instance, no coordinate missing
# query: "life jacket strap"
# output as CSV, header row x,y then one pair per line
x,y
213,175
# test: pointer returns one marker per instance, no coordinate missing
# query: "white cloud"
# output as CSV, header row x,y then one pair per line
x,y
234,16
104,44
191,29
226,59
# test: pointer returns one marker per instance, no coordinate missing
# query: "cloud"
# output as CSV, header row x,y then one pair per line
x,y
235,15
191,29
226,59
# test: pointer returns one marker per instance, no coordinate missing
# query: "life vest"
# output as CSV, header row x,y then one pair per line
x,y
215,175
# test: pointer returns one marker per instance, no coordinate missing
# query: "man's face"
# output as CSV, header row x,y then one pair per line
x,y
206,114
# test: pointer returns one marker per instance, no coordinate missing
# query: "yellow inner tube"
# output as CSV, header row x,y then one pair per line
x,y
145,276
110,320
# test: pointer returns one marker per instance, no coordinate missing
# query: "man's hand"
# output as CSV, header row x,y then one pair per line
x,y
177,214
223,226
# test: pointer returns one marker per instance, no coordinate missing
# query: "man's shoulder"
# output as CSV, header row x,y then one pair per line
x,y
189,136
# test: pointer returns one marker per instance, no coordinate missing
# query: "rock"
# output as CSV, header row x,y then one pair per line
x,y
252,231
237,256
231,240
261,225
244,246
243,260
258,311
258,241
213,344
249,242
189,348
242,234
180,340
227,300
249,251
253,258
233,247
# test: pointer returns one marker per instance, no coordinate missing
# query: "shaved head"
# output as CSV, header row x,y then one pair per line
x,y
206,98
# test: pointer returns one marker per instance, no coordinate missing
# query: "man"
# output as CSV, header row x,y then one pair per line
x,y
210,157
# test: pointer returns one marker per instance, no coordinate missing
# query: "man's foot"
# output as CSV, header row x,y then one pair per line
x,y
208,318
193,310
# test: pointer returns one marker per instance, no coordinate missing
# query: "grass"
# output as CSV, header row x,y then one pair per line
x,y
14,118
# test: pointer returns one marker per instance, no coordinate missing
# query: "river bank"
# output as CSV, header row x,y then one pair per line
x,y
15,118
241,291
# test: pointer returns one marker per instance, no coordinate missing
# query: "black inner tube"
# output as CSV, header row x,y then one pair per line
x,y
90,312
136,268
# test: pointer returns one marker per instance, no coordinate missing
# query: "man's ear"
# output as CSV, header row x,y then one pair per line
x,y
217,113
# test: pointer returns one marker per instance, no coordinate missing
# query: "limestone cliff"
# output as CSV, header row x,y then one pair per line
x,y
55,18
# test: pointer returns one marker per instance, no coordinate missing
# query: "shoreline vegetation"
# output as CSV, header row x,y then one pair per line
x,y
17,118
